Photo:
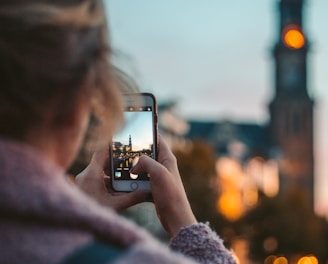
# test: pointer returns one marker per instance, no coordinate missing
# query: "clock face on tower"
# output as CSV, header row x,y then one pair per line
x,y
293,37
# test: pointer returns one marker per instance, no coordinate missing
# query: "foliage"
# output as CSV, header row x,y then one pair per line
x,y
197,168
285,225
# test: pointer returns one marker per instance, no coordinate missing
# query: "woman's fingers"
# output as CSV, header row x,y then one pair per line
x,y
167,189
165,155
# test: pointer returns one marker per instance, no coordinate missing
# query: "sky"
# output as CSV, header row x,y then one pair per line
x,y
139,126
214,58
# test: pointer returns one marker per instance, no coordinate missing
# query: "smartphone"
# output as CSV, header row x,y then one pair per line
x,y
138,137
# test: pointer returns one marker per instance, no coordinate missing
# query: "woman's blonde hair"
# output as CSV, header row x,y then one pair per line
x,y
47,48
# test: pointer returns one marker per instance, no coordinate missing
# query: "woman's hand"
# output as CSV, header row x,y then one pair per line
x,y
92,180
168,192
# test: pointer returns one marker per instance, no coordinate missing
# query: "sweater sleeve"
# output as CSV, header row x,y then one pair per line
x,y
201,243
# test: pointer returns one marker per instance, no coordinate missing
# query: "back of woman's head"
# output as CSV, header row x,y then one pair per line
x,y
47,50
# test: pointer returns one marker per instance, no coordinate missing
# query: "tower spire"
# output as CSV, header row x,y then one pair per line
x,y
130,142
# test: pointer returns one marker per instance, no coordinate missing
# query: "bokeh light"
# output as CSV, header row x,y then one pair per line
x,y
293,37
280,260
308,260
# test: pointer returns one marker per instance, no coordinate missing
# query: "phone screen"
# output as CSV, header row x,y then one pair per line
x,y
137,138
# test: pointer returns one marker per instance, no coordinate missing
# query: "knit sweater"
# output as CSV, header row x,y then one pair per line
x,y
45,219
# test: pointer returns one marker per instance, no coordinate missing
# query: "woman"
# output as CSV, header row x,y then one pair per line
x,y
54,73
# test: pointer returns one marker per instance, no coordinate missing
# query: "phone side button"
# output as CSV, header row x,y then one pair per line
x,y
134,186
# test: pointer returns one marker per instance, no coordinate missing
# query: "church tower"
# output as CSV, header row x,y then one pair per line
x,y
291,109
130,142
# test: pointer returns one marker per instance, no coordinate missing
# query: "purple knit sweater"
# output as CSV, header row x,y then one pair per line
x,y
44,219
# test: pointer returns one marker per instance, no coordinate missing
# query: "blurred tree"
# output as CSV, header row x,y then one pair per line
x,y
197,168
285,225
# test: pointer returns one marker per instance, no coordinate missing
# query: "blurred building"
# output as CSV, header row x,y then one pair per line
x,y
272,157
171,126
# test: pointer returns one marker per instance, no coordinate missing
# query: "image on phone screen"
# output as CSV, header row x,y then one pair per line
x,y
136,139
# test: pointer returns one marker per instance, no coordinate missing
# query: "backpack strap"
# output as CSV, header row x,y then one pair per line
x,y
96,252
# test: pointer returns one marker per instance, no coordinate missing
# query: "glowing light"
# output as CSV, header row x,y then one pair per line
x,y
308,260
230,201
271,178
229,204
229,169
280,260
293,37
265,174
251,196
